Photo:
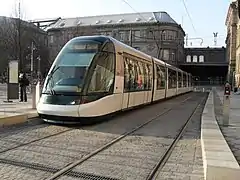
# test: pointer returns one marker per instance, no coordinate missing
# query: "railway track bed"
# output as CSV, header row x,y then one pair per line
x,y
101,151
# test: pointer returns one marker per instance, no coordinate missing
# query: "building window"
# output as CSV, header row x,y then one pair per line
x,y
137,35
163,35
166,54
51,39
121,35
201,58
194,58
188,59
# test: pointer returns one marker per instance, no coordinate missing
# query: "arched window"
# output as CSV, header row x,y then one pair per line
x,y
194,58
188,59
201,58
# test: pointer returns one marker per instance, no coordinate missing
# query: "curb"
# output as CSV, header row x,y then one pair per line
x,y
219,162
16,119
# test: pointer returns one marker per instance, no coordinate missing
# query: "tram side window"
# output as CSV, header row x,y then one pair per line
x,y
138,82
145,76
149,68
180,78
140,75
172,79
132,76
184,80
137,75
103,66
126,75
189,80
160,77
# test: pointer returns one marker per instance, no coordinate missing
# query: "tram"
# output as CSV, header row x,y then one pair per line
x,y
95,76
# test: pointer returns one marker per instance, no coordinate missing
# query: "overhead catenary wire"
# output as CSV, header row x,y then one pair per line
x,y
186,9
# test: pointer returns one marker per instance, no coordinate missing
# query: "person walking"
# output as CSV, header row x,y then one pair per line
x,y
23,83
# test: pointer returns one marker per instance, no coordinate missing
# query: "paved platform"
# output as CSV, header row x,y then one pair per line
x,y
218,159
15,112
231,132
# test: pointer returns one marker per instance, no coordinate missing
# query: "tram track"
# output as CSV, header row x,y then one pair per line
x,y
2,136
68,169
170,149
58,172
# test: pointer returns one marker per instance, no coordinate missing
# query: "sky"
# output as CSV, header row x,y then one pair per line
x,y
205,16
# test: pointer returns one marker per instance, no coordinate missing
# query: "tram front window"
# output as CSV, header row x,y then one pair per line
x,y
81,68
69,73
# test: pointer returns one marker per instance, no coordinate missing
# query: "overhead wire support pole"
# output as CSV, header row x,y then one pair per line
x,y
19,36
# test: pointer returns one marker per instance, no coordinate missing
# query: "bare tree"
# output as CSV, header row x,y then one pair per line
x,y
16,37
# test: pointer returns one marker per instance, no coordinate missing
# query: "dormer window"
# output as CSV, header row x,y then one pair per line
x,y
138,19
120,20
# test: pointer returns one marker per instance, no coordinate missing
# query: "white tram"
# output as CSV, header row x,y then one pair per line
x,y
95,76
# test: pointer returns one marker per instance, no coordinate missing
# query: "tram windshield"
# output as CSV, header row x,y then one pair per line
x,y
70,72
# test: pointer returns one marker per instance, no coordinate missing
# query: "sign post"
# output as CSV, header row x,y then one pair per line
x,y
12,84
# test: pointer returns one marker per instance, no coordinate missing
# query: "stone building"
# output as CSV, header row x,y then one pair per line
x,y
237,68
16,42
208,65
154,33
231,23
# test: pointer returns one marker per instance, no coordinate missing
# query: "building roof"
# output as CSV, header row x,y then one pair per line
x,y
129,18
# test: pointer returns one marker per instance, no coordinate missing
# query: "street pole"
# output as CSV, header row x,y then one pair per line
x,y
233,79
32,50
39,68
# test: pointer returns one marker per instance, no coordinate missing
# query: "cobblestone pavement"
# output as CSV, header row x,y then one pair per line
x,y
135,156
231,133
185,162
9,172
60,150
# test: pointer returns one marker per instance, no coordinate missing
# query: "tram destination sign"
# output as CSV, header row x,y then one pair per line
x,y
84,46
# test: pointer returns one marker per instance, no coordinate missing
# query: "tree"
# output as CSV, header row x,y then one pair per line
x,y
16,37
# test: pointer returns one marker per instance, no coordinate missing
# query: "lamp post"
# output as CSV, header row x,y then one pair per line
x,y
233,79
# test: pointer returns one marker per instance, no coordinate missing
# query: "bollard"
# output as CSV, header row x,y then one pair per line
x,y
37,92
33,89
226,110
226,104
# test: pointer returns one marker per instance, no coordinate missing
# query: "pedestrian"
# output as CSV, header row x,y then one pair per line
x,y
23,83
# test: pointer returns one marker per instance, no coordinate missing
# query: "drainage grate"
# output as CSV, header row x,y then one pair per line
x,y
29,165
54,170
88,176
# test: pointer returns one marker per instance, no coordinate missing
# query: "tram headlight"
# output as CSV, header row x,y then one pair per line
x,y
76,102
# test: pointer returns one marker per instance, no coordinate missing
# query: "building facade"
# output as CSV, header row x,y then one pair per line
x,y
17,37
231,40
154,33
209,66
237,68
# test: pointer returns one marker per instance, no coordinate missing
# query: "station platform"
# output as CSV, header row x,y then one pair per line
x,y
15,112
220,143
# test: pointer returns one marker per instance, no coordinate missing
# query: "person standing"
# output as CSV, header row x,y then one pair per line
x,y
23,83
